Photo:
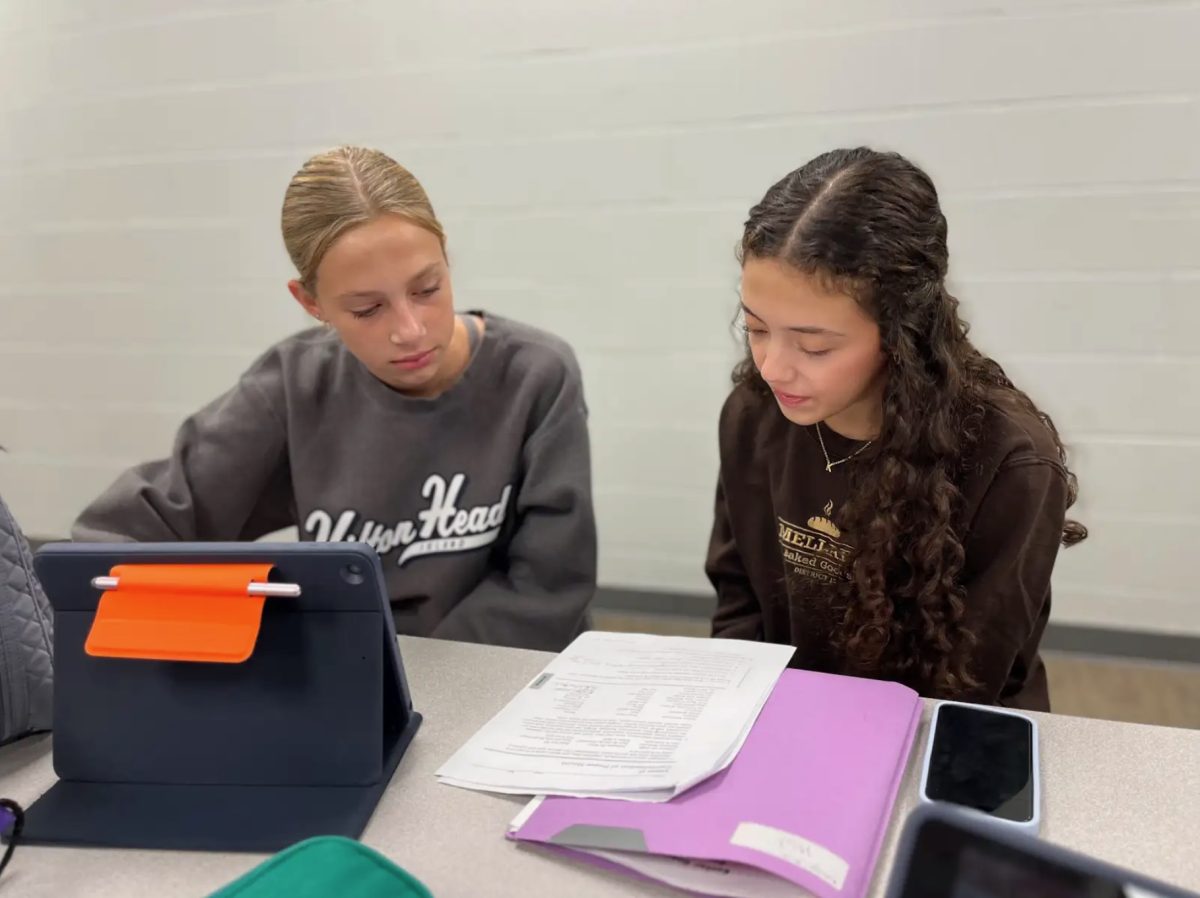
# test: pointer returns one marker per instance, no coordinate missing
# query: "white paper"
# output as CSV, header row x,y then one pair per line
x,y
717,878
623,715
648,795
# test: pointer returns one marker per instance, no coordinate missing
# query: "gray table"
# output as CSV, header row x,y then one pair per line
x,y
1126,793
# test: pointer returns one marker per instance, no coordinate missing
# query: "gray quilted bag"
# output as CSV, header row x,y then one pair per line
x,y
26,637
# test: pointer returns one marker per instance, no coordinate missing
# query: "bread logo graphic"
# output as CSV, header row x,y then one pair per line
x,y
823,524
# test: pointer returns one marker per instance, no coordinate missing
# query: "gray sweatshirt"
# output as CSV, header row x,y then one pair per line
x,y
478,502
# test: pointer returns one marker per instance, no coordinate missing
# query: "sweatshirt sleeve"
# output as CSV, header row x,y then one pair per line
x,y
227,477
1010,554
738,613
538,595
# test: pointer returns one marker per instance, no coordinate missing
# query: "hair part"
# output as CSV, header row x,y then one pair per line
x,y
341,189
869,224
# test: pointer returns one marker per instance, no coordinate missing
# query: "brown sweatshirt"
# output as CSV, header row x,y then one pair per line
x,y
776,548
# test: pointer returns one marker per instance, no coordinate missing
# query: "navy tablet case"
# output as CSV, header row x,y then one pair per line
x,y
299,740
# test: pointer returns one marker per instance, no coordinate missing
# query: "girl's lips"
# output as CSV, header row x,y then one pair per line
x,y
412,362
790,399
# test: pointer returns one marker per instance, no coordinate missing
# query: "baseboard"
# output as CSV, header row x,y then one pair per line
x,y
638,601
1072,638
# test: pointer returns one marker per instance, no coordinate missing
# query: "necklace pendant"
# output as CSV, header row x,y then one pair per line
x,y
828,468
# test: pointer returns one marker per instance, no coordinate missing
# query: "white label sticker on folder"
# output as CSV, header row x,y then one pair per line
x,y
793,849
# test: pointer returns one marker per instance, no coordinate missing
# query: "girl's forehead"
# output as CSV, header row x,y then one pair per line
x,y
782,296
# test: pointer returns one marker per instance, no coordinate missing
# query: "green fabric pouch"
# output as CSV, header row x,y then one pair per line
x,y
324,866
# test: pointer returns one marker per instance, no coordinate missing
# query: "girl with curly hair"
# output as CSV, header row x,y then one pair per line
x,y
889,502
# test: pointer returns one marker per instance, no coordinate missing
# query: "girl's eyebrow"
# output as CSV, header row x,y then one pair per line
x,y
802,329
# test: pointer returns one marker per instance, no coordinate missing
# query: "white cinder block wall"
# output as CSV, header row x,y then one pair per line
x,y
593,163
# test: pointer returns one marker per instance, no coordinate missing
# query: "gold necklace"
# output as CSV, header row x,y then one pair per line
x,y
830,465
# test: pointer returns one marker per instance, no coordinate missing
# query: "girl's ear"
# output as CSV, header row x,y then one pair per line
x,y
307,301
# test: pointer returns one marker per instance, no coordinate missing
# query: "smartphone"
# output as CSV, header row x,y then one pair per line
x,y
947,852
984,759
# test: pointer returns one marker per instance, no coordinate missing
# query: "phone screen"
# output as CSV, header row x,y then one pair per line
x,y
983,760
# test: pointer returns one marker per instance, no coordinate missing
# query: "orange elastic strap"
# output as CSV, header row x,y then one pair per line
x,y
179,612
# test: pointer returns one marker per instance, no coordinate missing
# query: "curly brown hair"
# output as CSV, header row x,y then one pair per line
x,y
869,225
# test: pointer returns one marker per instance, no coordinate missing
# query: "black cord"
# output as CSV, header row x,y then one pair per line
x,y
18,815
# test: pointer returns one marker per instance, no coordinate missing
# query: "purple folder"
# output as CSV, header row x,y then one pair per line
x,y
807,799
